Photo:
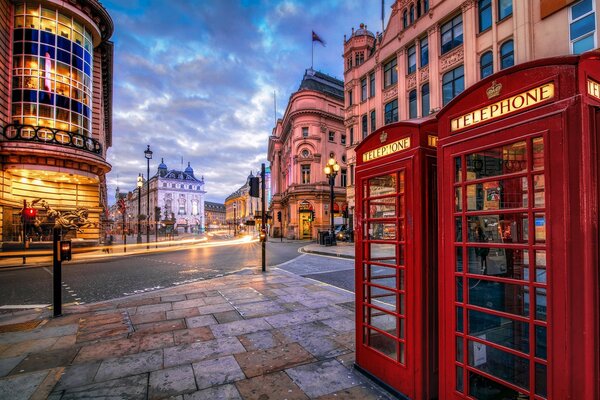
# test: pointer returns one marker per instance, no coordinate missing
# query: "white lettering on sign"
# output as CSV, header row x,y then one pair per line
x,y
388,149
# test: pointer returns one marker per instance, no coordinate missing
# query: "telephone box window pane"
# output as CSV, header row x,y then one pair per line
x,y
458,228
503,331
540,228
481,387
541,337
497,195
538,153
458,198
457,169
382,231
539,199
401,251
497,161
402,358
383,208
499,296
541,379
459,289
497,228
459,349
383,276
382,298
459,379
383,344
540,304
499,363
401,279
382,185
383,321
402,323
459,259
540,264
383,252
508,263
459,319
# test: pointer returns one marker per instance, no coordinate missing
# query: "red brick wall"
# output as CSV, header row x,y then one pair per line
x,y
5,61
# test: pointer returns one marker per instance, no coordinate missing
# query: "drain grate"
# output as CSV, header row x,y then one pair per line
x,y
23,326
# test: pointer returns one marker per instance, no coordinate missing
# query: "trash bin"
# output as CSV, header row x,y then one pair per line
x,y
322,235
328,239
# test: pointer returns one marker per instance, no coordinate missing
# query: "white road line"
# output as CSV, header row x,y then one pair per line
x,y
288,262
47,270
23,306
325,272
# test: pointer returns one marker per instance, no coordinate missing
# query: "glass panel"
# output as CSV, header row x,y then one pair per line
x,y
540,304
538,154
459,379
401,279
459,319
498,296
581,8
541,379
383,321
382,231
402,322
383,276
458,229
402,310
459,349
381,298
497,195
540,342
583,26
382,343
499,363
540,228
382,208
503,331
484,388
458,199
497,161
402,358
584,44
459,289
508,263
459,259
538,191
540,266
498,228
382,185
382,252
457,169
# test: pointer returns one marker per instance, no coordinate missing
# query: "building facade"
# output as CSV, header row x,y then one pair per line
x,y
241,209
214,215
309,134
430,51
179,195
55,112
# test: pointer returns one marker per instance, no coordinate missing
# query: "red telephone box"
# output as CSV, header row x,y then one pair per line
x,y
518,218
396,261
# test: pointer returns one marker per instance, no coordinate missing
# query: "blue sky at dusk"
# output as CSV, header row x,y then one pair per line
x,y
195,79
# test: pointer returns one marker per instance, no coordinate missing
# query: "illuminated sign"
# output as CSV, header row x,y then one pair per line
x,y
504,107
432,141
387,149
593,88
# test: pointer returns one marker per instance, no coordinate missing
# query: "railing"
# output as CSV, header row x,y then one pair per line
x,y
29,133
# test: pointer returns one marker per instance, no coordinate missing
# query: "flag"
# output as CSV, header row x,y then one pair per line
x,y
316,38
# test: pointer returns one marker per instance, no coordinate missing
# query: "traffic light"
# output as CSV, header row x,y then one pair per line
x,y
311,216
157,213
254,184
263,235
29,213
278,216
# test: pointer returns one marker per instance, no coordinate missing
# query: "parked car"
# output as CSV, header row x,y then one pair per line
x,y
342,234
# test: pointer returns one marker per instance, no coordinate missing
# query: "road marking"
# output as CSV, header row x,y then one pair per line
x,y
288,262
23,306
325,272
48,271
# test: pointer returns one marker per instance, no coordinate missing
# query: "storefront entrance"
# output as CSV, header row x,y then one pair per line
x,y
305,225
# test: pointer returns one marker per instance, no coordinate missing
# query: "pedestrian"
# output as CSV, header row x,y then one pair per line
x,y
109,242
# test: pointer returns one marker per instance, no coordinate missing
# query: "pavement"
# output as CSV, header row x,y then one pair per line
x,y
250,335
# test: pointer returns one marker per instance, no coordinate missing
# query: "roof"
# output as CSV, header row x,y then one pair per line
x,y
212,205
320,82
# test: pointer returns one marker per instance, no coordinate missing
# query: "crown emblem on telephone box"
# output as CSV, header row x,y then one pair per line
x,y
383,136
494,90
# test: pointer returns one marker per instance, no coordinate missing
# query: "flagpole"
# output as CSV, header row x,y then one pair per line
x,y
312,52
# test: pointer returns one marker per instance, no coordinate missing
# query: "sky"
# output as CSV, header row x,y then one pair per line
x,y
195,79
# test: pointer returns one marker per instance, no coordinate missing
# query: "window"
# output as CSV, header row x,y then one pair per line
x,y
350,97
507,55
425,107
360,58
164,184
582,27
305,131
349,63
504,9
194,207
405,19
344,177
331,136
305,174
418,8
363,89
424,46
452,34
485,14
373,121
453,83
343,139
425,6
391,112
351,135
412,59
364,126
486,64
390,73
412,14
305,153
182,205
412,104
372,84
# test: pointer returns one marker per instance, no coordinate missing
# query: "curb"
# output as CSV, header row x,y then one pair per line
x,y
324,253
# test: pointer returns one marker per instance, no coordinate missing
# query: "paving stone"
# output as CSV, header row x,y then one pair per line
x,y
138,302
227,316
262,362
109,334
153,341
347,360
217,371
7,364
130,365
341,324
224,392
29,346
312,329
215,300
199,351
215,308
161,326
174,297
178,305
78,375
272,386
322,347
143,318
321,378
362,392
64,342
291,306
202,320
260,309
300,317
196,295
346,339
259,340
201,334
22,386
242,327
46,360
131,387
115,348
239,293
183,313
171,381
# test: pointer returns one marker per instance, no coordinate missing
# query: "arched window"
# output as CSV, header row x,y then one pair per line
x,y
418,8
425,107
412,14
425,6
405,19
412,104
507,54
365,132
486,64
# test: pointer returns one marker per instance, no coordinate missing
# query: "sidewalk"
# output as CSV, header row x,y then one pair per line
x,y
342,249
244,336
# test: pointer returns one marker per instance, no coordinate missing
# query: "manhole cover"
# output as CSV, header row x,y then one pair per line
x,y
23,326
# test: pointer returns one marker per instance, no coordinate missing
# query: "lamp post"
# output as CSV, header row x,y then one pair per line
x,y
140,182
234,219
148,155
331,170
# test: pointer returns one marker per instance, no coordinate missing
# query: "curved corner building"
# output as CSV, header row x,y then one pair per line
x,y
55,112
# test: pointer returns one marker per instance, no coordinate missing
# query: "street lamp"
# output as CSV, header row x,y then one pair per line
x,y
148,155
234,219
140,182
331,170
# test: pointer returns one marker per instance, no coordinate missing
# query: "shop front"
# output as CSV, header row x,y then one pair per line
x,y
305,218
396,261
518,225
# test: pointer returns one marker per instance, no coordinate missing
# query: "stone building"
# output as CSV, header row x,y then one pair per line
x,y
214,215
241,209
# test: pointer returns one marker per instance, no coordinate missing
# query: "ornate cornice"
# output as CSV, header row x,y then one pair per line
x,y
452,59
390,93
424,74
433,30
467,5
411,81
